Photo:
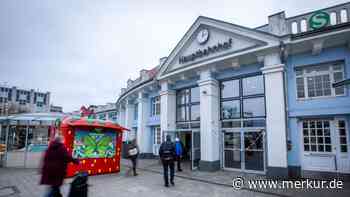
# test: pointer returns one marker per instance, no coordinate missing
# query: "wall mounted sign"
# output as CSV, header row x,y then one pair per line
x,y
207,51
318,20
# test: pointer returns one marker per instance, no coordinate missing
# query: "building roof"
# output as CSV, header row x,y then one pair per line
x,y
31,118
77,121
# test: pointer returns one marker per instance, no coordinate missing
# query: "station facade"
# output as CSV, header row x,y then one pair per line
x,y
257,100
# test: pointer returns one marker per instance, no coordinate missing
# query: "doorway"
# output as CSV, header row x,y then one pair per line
x,y
244,150
191,143
325,145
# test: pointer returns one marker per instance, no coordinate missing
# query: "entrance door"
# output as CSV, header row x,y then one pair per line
x,y
244,150
196,149
325,146
343,157
157,141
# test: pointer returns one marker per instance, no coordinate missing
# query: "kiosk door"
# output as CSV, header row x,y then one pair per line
x,y
196,149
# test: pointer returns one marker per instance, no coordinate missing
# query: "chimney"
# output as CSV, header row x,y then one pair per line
x,y
129,82
122,90
277,24
143,74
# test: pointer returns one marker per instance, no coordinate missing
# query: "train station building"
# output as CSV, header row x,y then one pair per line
x,y
259,100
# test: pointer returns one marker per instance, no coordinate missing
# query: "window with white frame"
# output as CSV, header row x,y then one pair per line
x,y
317,136
316,81
342,136
157,135
155,106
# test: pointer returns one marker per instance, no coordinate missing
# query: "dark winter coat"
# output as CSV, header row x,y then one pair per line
x,y
167,151
55,163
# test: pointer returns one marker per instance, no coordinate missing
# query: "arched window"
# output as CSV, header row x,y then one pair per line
x,y
303,25
343,16
333,18
294,27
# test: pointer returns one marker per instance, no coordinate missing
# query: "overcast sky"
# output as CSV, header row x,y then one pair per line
x,y
83,51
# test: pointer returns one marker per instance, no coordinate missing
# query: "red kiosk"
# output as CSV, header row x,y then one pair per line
x,y
96,143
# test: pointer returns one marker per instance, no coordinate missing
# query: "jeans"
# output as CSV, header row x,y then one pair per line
x,y
134,162
178,160
166,165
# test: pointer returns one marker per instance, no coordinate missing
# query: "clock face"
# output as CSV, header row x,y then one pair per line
x,y
203,36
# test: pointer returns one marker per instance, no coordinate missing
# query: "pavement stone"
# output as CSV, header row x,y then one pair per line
x,y
149,183
120,184
224,178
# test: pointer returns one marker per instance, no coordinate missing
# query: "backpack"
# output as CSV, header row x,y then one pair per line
x,y
168,151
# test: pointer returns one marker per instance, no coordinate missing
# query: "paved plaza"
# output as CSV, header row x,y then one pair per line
x,y
24,183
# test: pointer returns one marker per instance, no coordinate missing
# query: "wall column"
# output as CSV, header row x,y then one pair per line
x,y
129,118
121,119
276,128
168,108
209,114
142,132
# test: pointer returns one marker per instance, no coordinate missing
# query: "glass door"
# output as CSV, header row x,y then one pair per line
x,y
254,154
232,150
196,149
341,146
244,150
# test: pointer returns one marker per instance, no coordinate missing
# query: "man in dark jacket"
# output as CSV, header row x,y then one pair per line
x,y
167,154
54,167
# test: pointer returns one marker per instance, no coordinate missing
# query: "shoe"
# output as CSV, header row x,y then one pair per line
x,y
172,183
166,185
180,170
136,174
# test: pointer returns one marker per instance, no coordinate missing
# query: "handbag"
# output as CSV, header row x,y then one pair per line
x,y
133,152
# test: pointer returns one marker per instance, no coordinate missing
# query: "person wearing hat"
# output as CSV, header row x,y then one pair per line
x,y
179,151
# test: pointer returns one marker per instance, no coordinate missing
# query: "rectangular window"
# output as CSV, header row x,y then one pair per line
x,y
157,135
188,104
102,116
112,116
155,109
230,89
182,113
254,107
316,81
253,85
243,98
317,136
136,111
195,113
230,109
342,136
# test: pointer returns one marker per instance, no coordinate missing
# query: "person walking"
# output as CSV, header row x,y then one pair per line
x,y
54,167
167,155
133,153
179,151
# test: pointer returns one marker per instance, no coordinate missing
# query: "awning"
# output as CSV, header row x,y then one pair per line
x,y
31,118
